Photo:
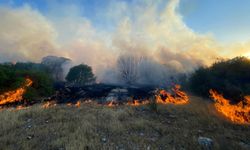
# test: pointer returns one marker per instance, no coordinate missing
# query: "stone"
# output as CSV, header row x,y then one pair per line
x,y
29,137
104,140
205,142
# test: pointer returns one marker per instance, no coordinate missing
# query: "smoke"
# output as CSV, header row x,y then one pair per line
x,y
159,36
25,35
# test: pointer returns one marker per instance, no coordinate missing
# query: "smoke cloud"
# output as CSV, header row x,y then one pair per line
x,y
142,30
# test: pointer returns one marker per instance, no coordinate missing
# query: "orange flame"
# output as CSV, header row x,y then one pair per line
x,y
16,95
21,107
78,104
49,104
179,96
111,104
137,102
239,113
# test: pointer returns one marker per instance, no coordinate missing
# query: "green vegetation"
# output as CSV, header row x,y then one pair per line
x,y
230,77
13,76
81,75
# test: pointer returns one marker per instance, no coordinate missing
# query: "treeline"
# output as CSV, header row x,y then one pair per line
x,y
229,77
44,75
12,76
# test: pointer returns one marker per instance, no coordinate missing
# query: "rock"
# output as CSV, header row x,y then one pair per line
x,y
205,142
29,120
200,131
104,140
47,121
172,116
117,94
141,134
29,126
148,148
29,137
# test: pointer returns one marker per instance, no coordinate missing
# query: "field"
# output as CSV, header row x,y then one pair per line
x,y
93,126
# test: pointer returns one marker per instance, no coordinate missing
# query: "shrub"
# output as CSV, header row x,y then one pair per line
x,y
230,77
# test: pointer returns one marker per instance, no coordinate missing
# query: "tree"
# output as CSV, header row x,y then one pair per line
x,y
57,66
81,75
128,67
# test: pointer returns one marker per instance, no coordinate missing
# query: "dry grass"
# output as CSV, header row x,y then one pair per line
x,y
99,127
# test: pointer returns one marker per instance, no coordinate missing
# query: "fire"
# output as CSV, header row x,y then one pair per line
x,y
16,95
111,104
137,103
78,104
179,96
239,113
21,107
49,104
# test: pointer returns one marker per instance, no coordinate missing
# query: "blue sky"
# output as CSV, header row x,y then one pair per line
x,y
227,20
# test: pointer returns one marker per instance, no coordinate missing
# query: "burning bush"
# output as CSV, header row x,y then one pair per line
x,y
231,77
13,77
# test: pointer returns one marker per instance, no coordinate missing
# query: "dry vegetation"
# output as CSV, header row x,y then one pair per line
x,y
125,127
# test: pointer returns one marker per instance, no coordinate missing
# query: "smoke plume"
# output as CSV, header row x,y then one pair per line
x,y
166,44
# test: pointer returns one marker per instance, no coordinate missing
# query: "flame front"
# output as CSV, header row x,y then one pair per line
x,y
239,113
179,96
16,95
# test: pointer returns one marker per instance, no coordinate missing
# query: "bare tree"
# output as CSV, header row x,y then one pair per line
x,y
128,67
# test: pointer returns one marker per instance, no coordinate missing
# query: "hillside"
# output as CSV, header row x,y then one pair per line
x,y
92,126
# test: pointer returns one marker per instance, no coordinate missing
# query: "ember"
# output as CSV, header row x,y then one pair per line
x,y
239,113
179,97
16,95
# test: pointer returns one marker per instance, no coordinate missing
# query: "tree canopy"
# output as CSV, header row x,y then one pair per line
x,y
81,75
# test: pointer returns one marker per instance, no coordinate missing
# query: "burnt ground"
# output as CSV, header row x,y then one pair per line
x,y
101,93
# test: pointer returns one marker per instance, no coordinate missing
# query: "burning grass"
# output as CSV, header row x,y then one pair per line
x,y
92,126
179,97
239,113
162,97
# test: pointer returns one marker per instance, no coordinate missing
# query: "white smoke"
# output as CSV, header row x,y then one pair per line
x,y
140,29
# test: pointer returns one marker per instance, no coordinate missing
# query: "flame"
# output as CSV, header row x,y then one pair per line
x,y
69,104
137,102
78,104
111,104
16,95
239,113
49,104
21,107
179,96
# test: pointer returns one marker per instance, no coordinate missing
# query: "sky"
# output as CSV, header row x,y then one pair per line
x,y
227,20
180,33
